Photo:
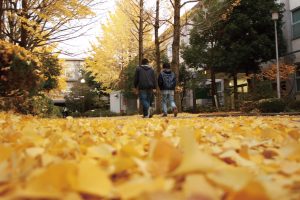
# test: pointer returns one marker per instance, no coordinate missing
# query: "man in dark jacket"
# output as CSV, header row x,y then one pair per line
x,y
167,84
145,83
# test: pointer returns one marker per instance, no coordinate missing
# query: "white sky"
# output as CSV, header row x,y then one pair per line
x,y
80,47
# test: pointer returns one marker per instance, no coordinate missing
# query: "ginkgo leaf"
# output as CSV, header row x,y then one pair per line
x,y
232,178
34,151
189,158
51,182
142,185
164,156
100,151
195,160
253,190
197,185
93,180
5,152
290,167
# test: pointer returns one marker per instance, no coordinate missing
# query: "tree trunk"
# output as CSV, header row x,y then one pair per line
x,y
1,19
194,99
24,34
141,31
235,91
182,97
213,86
157,55
176,46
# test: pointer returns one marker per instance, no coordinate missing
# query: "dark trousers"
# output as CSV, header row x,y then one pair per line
x,y
146,98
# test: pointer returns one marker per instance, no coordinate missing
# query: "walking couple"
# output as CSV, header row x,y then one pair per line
x,y
145,83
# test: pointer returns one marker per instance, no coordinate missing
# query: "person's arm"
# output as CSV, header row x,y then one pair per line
x,y
174,80
160,81
136,78
154,80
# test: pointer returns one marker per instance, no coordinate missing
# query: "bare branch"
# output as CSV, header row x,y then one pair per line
x,y
191,1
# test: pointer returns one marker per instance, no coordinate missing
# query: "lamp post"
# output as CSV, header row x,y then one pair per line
x,y
82,81
275,17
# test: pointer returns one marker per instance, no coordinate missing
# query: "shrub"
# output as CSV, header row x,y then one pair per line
x,y
24,76
83,99
262,90
21,73
95,113
248,106
294,105
24,73
271,105
75,114
41,106
38,105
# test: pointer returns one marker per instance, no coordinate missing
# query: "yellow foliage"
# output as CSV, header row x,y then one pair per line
x,y
233,158
115,47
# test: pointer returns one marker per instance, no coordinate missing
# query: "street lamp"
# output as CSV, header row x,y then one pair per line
x,y
275,17
82,81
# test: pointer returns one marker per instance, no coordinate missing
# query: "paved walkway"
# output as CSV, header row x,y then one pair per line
x,y
238,114
218,114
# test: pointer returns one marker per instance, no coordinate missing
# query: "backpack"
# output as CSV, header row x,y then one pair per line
x,y
169,80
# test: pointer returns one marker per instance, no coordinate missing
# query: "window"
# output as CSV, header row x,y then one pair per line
x,y
296,23
70,73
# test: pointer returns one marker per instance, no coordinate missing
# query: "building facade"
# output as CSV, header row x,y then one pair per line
x,y
72,74
291,30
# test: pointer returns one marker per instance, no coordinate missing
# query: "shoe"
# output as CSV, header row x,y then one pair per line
x,y
164,115
175,111
150,112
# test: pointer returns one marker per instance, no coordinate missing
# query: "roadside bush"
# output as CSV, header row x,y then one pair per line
x,y
24,75
41,106
108,113
248,106
262,90
38,105
294,105
271,105
207,109
95,113
82,99
75,114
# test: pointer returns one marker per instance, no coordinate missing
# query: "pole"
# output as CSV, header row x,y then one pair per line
x,y
277,61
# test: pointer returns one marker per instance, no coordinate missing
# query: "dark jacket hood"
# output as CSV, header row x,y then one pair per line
x,y
167,71
145,67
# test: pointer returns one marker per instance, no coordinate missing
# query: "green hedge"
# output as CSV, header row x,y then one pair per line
x,y
294,105
272,105
248,106
38,105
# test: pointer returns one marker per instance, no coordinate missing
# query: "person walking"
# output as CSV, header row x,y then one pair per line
x,y
145,85
167,84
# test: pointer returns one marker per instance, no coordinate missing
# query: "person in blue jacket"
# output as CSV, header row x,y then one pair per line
x,y
167,84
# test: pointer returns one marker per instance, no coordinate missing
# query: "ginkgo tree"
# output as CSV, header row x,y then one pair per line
x,y
31,23
115,47
137,12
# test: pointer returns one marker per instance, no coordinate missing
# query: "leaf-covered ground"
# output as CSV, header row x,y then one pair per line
x,y
192,158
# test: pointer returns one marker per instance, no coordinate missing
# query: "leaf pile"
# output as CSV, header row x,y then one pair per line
x,y
234,158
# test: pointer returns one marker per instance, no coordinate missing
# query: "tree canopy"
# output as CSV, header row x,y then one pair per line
x,y
32,24
247,36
